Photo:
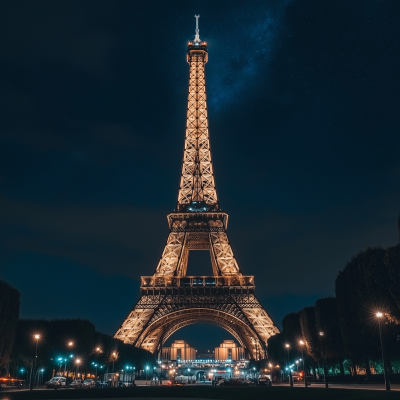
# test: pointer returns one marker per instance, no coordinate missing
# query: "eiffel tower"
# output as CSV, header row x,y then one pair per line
x,y
170,299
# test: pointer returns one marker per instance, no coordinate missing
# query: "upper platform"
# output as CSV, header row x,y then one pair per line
x,y
197,206
197,47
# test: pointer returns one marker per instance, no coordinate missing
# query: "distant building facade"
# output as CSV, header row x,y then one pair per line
x,y
229,351
179,351
205,356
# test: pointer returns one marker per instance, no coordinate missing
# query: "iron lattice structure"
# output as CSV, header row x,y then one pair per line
x,y
171,300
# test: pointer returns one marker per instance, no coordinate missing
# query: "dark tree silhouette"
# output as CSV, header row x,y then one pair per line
x,y
392,263
9,313
88,345
362,289
327,321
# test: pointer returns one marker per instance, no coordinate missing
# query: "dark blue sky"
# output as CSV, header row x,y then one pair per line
x,y
304,109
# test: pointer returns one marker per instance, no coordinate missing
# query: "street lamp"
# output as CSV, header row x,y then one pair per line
x,y
287,345
379,315
147,368
114,357
302,344
77,362
42,376
321,335
70,345
37,337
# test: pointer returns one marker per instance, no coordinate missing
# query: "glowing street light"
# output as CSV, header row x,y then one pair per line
x,y
287,345
302,344
114,358
37,337
77,362
379,315
321,336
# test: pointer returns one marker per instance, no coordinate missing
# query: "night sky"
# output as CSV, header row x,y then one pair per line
x,y
304,113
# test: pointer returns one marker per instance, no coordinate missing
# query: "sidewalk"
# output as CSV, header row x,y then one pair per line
x,y
363,386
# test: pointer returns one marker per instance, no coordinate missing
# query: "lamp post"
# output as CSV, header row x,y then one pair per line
x,y
41,379
70,345
37,337
77,362
302,343
114,354
287,345
321,335
147,368
379,315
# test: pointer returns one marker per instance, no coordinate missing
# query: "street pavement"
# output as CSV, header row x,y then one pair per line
x,y
364,386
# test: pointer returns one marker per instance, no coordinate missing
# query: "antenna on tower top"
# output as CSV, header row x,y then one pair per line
x,y
197,37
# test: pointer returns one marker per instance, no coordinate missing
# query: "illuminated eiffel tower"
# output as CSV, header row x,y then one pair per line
x,y
170,299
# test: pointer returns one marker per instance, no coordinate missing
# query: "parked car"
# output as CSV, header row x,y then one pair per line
x,y
102,384
89,383
76,383
57,382
264,380
220,382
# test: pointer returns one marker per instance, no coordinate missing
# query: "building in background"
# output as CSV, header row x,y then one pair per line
x,y
179,351
229,351
206,356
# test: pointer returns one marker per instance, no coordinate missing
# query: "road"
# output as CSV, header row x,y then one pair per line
x,y
364,386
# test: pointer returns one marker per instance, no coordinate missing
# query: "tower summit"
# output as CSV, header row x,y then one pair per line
x,y
197,38
170,299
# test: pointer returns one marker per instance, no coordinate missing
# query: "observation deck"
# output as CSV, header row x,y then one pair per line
x,y
197,284
197,47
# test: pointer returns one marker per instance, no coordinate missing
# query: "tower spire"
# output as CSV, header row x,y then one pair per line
x,y
197,186
197,37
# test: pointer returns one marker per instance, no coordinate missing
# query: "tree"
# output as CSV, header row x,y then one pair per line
x,y
9,313
309,332
327,321
310,335
276,349
361,290
292,333
53,345
398,225
291,328
392,263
